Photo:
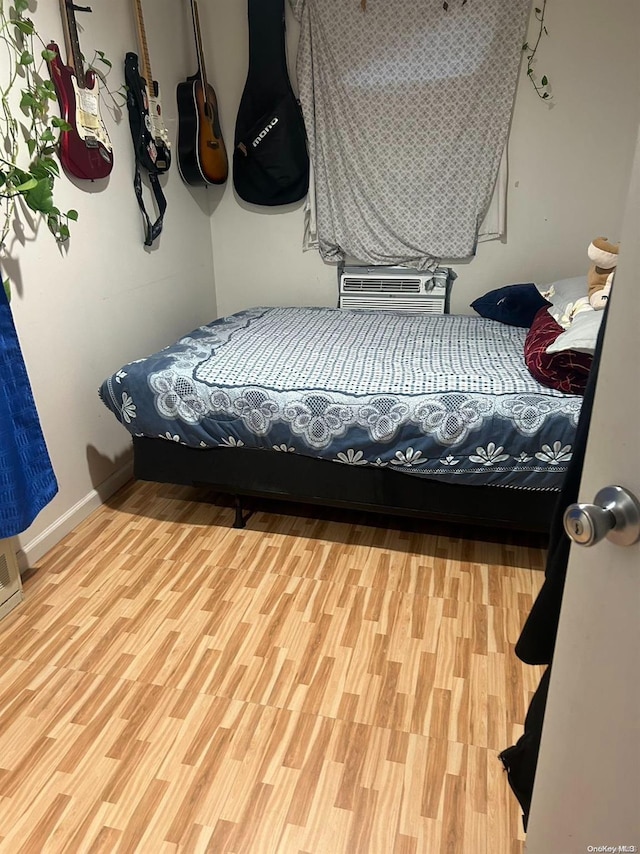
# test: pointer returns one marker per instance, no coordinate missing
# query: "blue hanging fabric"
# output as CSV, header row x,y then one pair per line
x,y
27,481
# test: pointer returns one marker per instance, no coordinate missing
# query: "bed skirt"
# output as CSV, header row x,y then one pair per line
x,y
307,480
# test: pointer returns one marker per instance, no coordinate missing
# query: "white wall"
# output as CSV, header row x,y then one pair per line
x,y
84,312
568,163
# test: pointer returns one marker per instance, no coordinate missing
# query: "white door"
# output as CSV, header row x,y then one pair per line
x,y
587,791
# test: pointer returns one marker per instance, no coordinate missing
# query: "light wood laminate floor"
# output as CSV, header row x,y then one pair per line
x,y
303,686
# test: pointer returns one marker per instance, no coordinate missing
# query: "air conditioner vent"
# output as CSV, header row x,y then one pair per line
x,y
5,577
381,285
420,305
395,289
10,583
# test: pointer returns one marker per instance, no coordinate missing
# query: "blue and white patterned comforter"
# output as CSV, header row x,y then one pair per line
x,y
443,396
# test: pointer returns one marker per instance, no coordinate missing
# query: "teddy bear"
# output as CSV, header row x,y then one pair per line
x,y
604,258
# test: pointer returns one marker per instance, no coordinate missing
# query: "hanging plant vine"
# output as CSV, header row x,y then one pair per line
x,y
29,134
28,169
541,86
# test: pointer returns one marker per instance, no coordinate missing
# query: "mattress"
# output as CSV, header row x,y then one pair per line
x,y
442,396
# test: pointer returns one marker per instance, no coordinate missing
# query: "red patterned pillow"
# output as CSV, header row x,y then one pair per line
x,y
566,371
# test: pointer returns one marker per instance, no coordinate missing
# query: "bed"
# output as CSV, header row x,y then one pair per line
x,y
430,416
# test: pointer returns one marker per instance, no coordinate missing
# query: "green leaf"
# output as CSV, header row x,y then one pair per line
x,y
60,123
26,186
40,198
45,167
31,145
48,55
49,88
21,6
104,59
19,176
545,81
38,170
63,233
47,136
72,215
25,58
51,166
28,100
25,26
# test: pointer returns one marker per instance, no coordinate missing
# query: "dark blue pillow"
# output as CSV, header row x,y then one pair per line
x,y
515,305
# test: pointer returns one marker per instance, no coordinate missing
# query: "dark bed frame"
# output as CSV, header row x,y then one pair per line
x,y
242,472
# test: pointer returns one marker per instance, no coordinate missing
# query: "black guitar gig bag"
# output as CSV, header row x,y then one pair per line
x,y
270,159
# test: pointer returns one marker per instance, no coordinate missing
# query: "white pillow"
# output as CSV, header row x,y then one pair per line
x,y
567,298
582,333
570,308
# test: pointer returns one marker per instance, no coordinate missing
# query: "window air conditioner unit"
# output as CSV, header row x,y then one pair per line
x,y
10,582
395,289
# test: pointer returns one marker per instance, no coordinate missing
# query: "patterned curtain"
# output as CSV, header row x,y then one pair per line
x,y
27,481
407,108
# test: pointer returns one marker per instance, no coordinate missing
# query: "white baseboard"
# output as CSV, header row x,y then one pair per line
x,y
51,536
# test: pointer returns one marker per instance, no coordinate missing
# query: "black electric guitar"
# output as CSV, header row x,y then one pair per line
x,y
202,156
150,137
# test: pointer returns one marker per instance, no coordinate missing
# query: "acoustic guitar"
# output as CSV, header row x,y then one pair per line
x,y
148,129
202,156
85,150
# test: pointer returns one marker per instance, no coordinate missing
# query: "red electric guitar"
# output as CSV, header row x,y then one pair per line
x,y
85,150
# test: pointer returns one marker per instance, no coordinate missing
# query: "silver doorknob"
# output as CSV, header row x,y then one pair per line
x,y
615,514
